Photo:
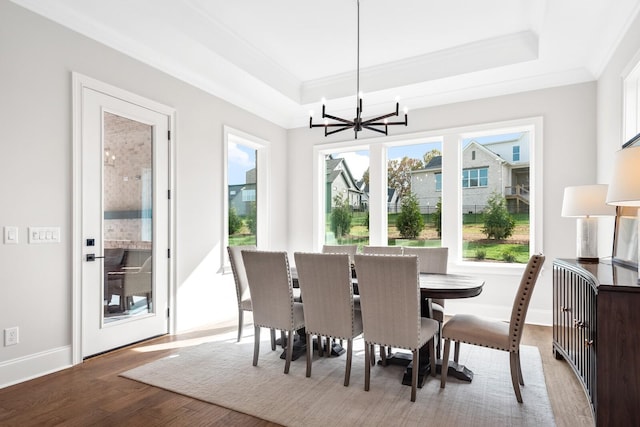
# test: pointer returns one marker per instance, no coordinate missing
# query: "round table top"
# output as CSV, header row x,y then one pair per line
x,y
448,286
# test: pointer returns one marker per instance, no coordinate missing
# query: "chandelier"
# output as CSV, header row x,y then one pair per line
x,y
377,124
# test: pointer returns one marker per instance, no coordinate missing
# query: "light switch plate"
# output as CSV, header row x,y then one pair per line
x,y
44,235
10,235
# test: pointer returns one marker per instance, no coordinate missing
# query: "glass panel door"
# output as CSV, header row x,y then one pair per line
x,y
128,218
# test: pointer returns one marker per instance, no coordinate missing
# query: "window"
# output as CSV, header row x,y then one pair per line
x,y
495,212
473,174
413,169
346,206
475,177
246,189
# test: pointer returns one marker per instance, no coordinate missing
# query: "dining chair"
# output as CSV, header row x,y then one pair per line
x,y
495,334
432,260
390,299
272,298
382,250
350,250
242,287
325,282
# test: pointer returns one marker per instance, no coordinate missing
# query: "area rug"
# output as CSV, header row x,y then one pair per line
x,y
221,372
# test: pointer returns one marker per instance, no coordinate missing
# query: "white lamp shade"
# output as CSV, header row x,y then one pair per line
x,y
624,189
586,200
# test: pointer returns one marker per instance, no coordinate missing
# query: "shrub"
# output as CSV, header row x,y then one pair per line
x,y
481,254
252,219
410,221
437,218
498,223
508,256
235,222
341,217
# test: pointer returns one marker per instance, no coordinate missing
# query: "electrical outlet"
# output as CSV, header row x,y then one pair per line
x,y
11,336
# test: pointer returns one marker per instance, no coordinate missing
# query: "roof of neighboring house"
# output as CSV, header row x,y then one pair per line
x,y
333,171
390,194
434,163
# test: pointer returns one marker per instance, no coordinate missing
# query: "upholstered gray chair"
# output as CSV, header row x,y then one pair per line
x,y
350,250
496,334
325,282
242,287
432,260
272,298
390,301
382,250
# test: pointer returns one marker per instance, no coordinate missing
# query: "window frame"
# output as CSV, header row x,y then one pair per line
x,y
263,154
452,188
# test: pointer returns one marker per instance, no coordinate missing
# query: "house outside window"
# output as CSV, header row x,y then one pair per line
x,y
438,177
516,153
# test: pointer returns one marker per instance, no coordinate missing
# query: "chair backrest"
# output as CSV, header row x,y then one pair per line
x,y
382,250
389,288
271,288
239,273
327,291
350,250
521,301
431,260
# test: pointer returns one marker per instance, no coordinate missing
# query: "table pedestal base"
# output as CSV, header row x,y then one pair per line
x,y
455,369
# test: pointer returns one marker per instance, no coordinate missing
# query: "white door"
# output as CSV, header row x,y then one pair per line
x,y
125,227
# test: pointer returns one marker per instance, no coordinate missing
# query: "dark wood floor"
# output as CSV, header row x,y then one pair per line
x,y
93,394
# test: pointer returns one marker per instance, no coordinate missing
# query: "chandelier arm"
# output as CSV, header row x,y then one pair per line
x,y
386,124
339,119
337,130
375,130
374,119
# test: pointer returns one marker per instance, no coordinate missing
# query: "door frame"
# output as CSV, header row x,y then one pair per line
x,y
81,82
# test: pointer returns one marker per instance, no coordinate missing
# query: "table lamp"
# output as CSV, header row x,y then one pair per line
x,y
586,202
624,189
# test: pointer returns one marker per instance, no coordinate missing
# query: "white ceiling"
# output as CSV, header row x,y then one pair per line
x,y
278,58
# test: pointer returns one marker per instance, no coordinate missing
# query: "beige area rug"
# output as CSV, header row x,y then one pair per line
x,y
220,371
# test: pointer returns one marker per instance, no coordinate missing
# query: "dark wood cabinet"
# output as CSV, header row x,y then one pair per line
x,y
596,329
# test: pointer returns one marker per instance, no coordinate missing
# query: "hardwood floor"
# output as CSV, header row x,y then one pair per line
x,y
93,394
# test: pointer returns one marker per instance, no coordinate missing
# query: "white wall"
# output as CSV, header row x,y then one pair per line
x,y
569,158
610,100
37,57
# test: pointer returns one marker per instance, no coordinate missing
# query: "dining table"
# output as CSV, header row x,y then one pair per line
x,y
432,285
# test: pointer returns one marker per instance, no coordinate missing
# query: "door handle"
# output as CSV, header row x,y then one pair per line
x,y
93,257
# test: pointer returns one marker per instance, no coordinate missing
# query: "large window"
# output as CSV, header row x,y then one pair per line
x,y
346,205
413,177
496,196
474,192
246,189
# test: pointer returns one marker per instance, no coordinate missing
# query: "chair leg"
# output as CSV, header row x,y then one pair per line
x,y
368,350
456,352
445,363
520,377
513,359
273,339
256,345
240,322
432,355
347,369
309,351
414,374
439,344
383,355
287,363
372,357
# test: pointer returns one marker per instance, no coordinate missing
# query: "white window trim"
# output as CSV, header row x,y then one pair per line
x,y
263,159
451,192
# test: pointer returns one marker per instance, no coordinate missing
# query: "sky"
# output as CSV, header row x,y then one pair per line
x,y
241,158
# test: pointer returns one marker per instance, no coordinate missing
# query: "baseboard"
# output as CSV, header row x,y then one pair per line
x,y
534,317
34,365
